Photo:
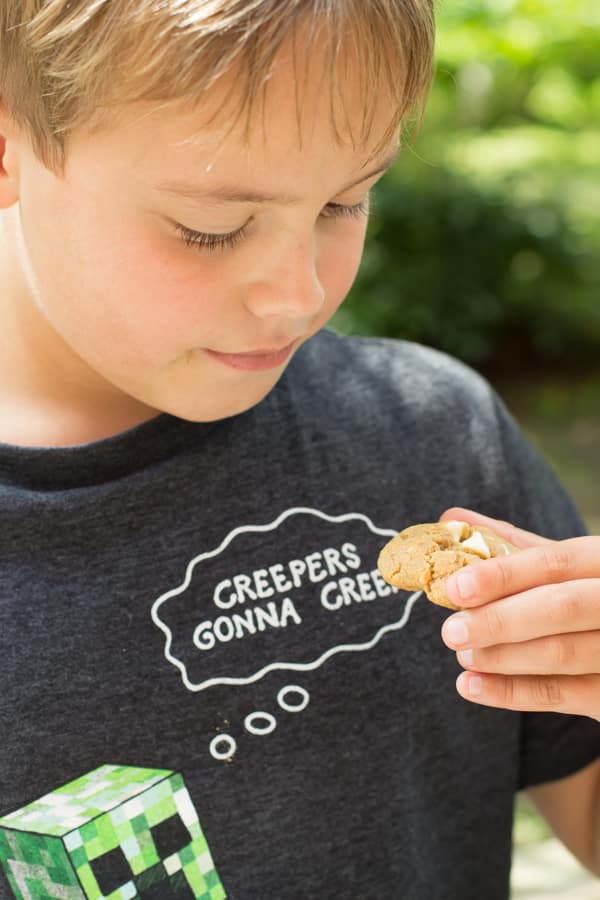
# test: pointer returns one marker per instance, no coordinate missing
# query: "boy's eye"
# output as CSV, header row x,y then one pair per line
x,y
214,242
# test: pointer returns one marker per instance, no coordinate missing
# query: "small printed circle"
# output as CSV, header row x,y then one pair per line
x,y
293,706
229,743
269,721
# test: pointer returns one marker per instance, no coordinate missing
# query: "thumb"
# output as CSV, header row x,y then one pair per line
x,y
516,536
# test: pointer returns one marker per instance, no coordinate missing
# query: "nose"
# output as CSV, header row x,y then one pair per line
x,y
287,286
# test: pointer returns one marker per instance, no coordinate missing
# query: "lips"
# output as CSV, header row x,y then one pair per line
x,y
254,360
269,352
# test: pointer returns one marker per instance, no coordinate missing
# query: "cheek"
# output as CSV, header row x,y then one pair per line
x,y
163,295
120,293
340,263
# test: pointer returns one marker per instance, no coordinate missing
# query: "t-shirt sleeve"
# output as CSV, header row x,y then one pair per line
x,y
553,745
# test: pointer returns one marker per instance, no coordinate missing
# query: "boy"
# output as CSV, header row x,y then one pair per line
x,y
208,690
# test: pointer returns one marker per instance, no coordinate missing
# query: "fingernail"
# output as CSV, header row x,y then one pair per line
x,y
468,684
456,631
475,685
465,585
465,657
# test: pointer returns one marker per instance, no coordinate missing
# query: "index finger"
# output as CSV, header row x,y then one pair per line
x,y
517,536
549,563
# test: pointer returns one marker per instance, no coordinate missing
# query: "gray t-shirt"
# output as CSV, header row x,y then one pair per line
x,y
207,688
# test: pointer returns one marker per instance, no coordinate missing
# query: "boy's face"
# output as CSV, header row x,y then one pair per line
x,y
131,310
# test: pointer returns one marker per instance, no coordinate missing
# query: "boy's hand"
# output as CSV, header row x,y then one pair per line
x,y
529,635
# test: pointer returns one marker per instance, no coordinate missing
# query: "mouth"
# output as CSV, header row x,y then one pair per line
x,y
255,360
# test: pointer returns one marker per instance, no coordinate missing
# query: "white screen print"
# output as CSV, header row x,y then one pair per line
x,y
286,595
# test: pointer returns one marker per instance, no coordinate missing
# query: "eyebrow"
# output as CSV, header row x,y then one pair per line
x,y
232,194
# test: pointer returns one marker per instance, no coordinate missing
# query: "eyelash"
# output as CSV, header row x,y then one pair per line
x,y
214,242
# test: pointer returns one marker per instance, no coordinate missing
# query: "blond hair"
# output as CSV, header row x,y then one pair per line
x,y
69,64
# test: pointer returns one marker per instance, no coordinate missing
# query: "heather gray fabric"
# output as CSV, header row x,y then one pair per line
x,y
163,587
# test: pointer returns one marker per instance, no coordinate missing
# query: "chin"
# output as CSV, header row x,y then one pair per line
x,y
229,407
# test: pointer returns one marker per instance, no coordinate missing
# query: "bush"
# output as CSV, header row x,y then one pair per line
x,y
485,239
469,270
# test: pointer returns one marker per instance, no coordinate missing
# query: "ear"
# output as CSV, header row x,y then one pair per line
x,y
9,169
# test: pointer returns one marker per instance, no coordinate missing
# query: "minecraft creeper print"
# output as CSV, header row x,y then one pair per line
x,y
118,832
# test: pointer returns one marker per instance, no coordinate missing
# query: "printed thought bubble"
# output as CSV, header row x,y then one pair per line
x,y
287,595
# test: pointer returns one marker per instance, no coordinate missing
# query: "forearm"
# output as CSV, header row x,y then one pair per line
x,y
571,806
596,830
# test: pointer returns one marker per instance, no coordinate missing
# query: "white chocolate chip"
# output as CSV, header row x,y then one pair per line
x,y
477,544
457,529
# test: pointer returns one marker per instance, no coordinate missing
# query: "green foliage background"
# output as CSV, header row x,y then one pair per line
x,y
484,239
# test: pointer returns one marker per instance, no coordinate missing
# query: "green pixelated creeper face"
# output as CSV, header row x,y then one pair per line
x,y
117,833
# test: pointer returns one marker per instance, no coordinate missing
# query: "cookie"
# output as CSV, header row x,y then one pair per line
x,y
423,556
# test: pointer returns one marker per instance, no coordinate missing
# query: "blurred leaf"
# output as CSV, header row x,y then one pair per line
x,y
485,238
